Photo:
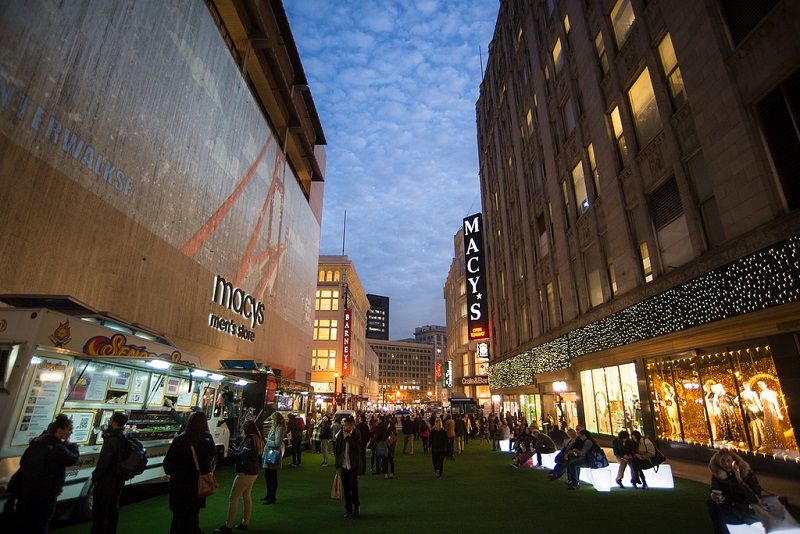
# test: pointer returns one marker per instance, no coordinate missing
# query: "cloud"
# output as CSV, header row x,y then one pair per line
x,y
395,84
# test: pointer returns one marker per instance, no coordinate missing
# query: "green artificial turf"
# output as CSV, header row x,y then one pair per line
x,y
480,492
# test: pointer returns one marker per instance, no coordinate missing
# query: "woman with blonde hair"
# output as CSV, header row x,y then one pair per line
x,y
274,440
247,457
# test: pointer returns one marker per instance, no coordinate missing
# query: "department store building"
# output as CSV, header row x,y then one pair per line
x,y
163,162
639,175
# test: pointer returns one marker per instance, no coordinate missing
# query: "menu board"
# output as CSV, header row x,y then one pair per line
x,y
89,382
81,425
173,385
156,395
104,419
121,379
138,387
41,398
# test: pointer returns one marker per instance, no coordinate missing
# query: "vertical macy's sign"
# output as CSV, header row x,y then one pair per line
x,y
477,318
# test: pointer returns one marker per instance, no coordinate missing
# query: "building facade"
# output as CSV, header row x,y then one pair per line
x,y
165,177
639,176
344,366
378,317
405,373
470,370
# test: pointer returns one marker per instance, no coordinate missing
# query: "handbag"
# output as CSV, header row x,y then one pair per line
x,y
272,457
336,490
656,460
207,484
381,450
597,458
391,439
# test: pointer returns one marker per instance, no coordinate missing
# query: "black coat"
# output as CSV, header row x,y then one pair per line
x,y
439,441
43,468
247,457
179,465
105,475
354,442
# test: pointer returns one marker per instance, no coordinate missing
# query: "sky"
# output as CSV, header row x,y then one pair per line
x,y
395,84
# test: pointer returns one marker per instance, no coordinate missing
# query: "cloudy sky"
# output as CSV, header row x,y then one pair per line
x,y
395,83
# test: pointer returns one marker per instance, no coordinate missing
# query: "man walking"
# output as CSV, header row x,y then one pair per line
x,y
407,427
347,448
108,482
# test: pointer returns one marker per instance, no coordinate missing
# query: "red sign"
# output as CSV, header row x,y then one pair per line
x,y
348,316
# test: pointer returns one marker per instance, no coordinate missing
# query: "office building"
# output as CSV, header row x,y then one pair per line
x,y
378,317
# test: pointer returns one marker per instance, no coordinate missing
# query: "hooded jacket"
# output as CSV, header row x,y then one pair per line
x,y
738,496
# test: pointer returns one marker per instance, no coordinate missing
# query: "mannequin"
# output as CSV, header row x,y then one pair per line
x,y
754,413
671,404
773,437
727,424
708,399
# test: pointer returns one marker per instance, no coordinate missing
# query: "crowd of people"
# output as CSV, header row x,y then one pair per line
x,y
735,494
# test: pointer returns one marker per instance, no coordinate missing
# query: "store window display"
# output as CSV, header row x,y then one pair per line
x,y
730,399
611,399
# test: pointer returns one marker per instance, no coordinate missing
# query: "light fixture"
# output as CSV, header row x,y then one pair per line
x,y
158,364
241,382
199,373
215,377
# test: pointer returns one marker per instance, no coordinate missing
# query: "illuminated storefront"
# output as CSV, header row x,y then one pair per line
x,y
731,398
611,400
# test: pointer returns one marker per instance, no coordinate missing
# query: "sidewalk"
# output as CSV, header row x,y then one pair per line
x,y
699,472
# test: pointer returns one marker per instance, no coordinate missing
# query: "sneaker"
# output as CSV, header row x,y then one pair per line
x,y
223,528
241,526
391,475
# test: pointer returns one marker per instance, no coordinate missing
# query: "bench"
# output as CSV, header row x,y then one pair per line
x,y
755,528
603,478
505,445
549,459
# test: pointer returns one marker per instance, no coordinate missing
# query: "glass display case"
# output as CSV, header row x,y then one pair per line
x,y
148,425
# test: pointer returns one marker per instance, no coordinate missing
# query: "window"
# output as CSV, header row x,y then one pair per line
x,y
622,146
591,259
568,216
779,113
323,360
593,169
327,300
566,25
326,329
672,230
529,120
612,275
558,56
611,399
601,53
568,115
743,17
712,223
579,186
672,72
647,268
644,109
551,304
544,244
622,19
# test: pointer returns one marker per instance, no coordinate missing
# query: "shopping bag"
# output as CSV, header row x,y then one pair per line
x,y
336,490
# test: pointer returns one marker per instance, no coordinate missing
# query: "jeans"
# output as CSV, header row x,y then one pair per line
x,y
574,469
272,483
350,489
438,460
35,516
297,453
324,448
242,487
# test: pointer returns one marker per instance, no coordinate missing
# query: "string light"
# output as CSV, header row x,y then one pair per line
x,y
768,278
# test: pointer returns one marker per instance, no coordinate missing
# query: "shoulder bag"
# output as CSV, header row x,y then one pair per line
x,y
656,460
272,457
207,484
597,458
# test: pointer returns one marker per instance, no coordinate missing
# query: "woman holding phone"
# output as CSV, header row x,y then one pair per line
x,y
734,487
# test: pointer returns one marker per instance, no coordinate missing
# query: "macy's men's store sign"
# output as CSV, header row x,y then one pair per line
x,y
238,301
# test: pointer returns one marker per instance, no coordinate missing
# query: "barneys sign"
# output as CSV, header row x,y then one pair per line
x,y
348,318
477,318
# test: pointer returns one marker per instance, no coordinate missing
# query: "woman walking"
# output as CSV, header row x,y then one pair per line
x,y
439,444
274,439
247,457
179,464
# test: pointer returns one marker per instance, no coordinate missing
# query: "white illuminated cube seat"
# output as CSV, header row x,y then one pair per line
x,y
755,528
600,478
661,479
549,459
505,445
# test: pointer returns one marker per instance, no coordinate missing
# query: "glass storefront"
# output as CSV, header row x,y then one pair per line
x,y
529,405
611,399
727,399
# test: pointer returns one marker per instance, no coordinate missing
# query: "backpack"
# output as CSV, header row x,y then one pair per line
x,y
133,460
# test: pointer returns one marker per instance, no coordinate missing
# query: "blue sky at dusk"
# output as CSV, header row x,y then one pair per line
x,y
395,83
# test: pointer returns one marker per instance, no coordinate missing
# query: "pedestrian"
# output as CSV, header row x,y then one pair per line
x,y
622,451
247,458
373,434
734,487
274,441
296,428
179,464
363,429
316,424
439,445
450,428
108,481
42,475
424,433
326,436
461,432
346,449
407,427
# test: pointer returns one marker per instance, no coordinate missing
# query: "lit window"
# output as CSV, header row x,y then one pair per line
x,y
326,329
622,146
643,106
647,268
672,72
529,120
566,24
579,184
558,56
327,300
622,18
593,168
601,53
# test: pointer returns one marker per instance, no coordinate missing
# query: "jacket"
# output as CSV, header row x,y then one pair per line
x,y
43,467
644,448
247,457
621,449
179,465
450,428
738,496
105,475
274,441
352,444
439,441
